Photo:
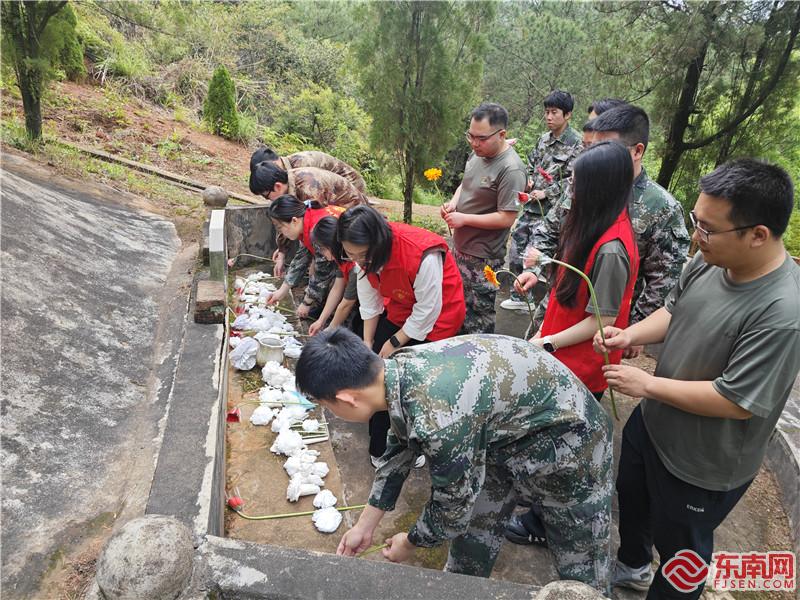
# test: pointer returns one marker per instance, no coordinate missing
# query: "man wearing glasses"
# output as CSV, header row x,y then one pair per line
x,y
482,211
731,334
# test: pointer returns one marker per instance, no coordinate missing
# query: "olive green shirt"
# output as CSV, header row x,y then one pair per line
x,y
490,185
745,339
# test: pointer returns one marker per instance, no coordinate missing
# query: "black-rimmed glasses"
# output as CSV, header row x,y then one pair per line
x,y
705,234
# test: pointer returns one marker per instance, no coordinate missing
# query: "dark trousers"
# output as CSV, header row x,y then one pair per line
x,y
379,422
657,508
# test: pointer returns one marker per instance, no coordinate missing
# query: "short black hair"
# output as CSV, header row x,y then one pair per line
x,y
265,175
559,99
496,114
364,226
589,125
333,361
759,193
261,155
324,233
630,122
604,104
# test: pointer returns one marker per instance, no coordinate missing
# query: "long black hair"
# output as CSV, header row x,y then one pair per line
x,y
264,176
364,226
601,187
286,207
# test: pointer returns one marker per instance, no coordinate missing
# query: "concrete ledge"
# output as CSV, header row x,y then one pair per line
x,y
189,477
783,459
236,569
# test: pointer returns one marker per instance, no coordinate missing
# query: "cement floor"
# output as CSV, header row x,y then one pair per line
x,y
757,523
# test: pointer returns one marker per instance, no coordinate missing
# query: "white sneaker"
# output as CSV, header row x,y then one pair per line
x,y
375,460
636,579
420,462
512,304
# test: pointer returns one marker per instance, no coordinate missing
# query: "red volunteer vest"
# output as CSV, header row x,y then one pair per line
x,y
581,358
311,217
396,280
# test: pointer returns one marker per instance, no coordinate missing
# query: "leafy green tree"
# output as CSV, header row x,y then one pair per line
x,y
420,72
32,52
708,71
219,109
329,121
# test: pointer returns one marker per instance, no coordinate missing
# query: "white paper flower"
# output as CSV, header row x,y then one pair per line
x,y
327,520
262,415
325,499
287,442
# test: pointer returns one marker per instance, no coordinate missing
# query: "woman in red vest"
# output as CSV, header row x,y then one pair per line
x,y
598,238
296,220
409,288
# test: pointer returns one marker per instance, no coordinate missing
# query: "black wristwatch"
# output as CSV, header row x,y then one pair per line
x,y
395,342
547,344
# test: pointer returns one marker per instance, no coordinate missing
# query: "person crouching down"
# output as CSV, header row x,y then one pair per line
x,y
498,419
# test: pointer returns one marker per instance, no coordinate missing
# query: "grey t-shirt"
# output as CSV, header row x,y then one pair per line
x,y
745,338
489,185
609,276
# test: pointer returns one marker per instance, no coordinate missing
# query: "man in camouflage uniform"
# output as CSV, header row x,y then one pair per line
x,y
497,419
311,158
661,237
482,210
549,167
320,279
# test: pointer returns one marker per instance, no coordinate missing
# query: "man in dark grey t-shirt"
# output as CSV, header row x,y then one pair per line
x,y
482,211
731,333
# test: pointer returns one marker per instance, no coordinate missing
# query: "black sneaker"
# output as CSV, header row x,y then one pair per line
x,y
516,532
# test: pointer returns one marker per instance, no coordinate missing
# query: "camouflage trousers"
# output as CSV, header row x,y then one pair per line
x,y
571,478
479,294
520,240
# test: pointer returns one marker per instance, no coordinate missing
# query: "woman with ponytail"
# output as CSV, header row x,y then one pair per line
x,y
295,220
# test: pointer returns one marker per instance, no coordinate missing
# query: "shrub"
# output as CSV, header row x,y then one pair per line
x,y
219,108
791,238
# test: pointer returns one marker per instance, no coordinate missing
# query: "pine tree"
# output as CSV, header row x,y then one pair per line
x,y
219,108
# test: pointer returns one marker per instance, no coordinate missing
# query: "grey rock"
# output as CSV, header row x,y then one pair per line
x,y
215,196
149,558
568,590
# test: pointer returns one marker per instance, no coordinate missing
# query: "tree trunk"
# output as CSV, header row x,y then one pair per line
x,y
408,185
30,85
673,149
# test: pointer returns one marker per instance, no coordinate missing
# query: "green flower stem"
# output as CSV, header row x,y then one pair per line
x,y
544,260
371,550
528,302
297,514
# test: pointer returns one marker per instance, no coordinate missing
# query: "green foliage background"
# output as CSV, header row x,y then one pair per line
x,y
311,75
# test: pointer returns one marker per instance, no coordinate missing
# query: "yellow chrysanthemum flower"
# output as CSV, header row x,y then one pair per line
x,y
491,276
432,174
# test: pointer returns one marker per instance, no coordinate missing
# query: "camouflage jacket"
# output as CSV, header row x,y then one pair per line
x,y
326,187
660,234
326,162
554,155
472,401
